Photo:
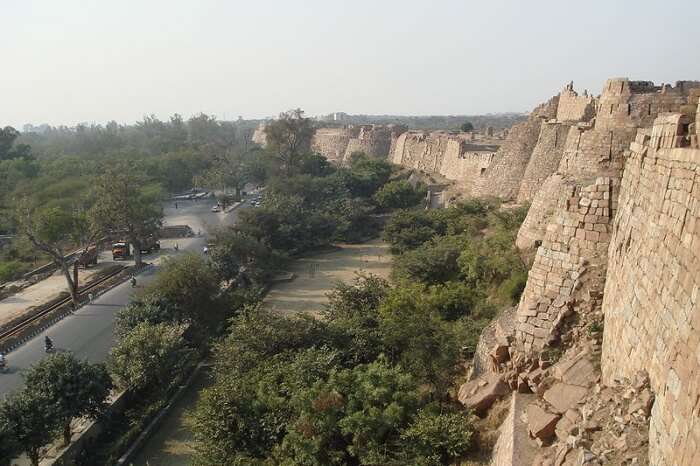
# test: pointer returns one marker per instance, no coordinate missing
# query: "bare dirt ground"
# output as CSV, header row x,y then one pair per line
x,y
41,292
317,275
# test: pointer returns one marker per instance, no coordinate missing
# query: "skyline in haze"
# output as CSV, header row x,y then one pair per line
x,y
67,62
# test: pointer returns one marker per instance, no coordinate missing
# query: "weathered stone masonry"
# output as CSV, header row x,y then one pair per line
x,y
652,301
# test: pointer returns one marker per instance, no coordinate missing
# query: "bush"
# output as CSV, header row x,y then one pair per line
x,y
399,195
432,263
440,437
11,270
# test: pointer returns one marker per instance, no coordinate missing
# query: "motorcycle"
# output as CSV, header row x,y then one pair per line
x,y
3,365
48,345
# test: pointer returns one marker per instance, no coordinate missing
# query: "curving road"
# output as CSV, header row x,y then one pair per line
x,y
89,332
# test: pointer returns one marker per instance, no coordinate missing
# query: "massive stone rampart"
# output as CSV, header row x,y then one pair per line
x,y
453,156
597,148
503,177
652,299
545,158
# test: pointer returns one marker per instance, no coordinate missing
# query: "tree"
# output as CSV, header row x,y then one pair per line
x,y
399,195
149,356
30,421
467,126
354,418
366,175
123,205
353,309
228,170
74,388
189,288
8,149
9,447
238,257
55,231
415,336
289,138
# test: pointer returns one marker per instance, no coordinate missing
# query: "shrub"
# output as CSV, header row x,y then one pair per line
x,y
399,195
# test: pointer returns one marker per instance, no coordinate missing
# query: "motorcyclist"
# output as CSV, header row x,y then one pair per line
x,y
3,361
133,282
48,343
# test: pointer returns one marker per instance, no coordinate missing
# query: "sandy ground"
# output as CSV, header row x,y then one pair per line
x,y
41,292
317,275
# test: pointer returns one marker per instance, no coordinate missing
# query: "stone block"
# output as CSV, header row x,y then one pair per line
x,y
478,395
541,424
563,397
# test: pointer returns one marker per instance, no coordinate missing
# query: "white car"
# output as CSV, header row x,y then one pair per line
x,y
216,208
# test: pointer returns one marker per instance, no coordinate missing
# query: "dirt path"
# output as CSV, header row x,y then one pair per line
x,y
318,274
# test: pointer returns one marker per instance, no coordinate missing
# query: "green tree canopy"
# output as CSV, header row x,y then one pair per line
x,y
30,421
126,204
74,388
149,356
289,138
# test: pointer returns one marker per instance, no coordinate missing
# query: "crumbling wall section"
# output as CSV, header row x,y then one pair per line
x,y
652,306
545,159
569,268
502,178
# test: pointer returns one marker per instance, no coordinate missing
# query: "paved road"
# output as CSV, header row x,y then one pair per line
x,y
88,333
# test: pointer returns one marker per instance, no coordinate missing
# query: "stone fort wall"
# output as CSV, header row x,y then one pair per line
x,y
453,156
545,158
332,143
598,148
503,177
337,144
652,301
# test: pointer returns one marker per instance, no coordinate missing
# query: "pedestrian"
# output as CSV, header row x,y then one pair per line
x,y
176,205
90,296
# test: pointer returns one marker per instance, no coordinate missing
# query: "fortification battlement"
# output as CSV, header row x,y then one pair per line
x,y
575,107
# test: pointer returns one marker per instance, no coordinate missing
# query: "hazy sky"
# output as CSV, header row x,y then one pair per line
x,y
72,61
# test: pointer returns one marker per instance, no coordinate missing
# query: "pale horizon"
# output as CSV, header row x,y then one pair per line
x,y
68,62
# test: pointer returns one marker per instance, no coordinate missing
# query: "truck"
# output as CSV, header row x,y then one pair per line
x,y
88,257
122,250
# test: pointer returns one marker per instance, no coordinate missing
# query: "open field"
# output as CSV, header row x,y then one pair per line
x,y
317,275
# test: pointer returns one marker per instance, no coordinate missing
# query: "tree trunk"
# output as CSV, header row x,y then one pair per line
x,y
76,286
137,255
71,285
33,455
66,434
